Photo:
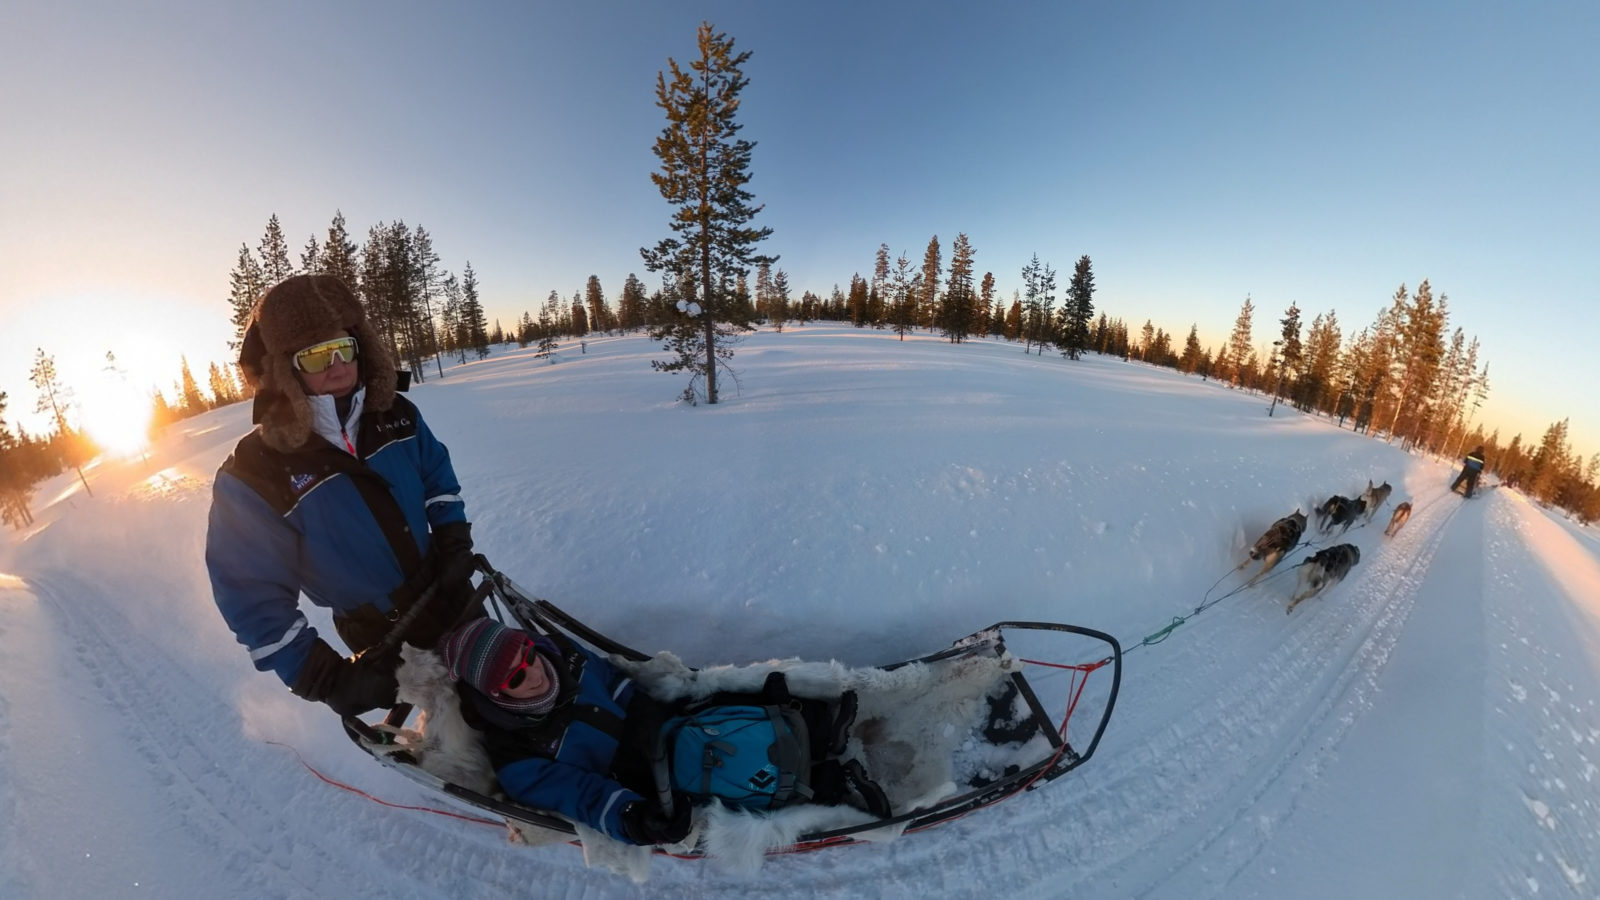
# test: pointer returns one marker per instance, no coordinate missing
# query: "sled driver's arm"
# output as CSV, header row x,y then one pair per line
x,y
251,556
441,489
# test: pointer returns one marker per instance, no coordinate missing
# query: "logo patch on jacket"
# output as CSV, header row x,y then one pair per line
x,y
300,481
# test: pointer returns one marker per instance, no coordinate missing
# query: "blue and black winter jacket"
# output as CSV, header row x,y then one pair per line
x,y
344,530
568,761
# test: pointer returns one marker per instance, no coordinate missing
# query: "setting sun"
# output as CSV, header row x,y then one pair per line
x,y
116,416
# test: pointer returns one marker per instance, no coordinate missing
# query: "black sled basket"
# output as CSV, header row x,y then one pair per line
x,y
534,614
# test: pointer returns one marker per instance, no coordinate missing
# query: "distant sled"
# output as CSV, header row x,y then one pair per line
x,y
945,734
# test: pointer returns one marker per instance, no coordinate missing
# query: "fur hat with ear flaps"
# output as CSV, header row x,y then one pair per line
x,y
292,315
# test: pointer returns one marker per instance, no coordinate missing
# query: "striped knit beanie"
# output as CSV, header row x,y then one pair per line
x,y
483,653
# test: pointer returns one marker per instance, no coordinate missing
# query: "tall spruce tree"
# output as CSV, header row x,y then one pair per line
x,y
599,315
311,257
927,300
1190,362
960,301
477,331
778,302
1038,308
275,264
246,284
631,307
425,276
1239,345
339,253
1078,310
705,167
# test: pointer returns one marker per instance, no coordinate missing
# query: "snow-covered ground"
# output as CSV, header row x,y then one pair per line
x,y
1428,728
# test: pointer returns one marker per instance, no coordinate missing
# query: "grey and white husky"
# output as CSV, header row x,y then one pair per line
x,y
1279,540
1326,568
1375,497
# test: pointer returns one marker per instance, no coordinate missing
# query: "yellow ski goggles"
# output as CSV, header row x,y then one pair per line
x,y
318,357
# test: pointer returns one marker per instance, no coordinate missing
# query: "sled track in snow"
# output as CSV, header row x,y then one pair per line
x,y
1305,694
1184,793
289,844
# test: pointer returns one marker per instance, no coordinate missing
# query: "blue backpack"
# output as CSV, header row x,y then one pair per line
x,y
755,757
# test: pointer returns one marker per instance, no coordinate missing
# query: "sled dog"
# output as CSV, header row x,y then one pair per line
x,y
1338,511
1398,520
1328,567
1278,540
1375,497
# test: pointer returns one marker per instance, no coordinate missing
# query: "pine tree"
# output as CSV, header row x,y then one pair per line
x,y
547,326
1039,298
221,389
778,302
927,312
339,253
1190,362
960,301
579,324
902,303
1286,351
472,314
1419,349
54,397
311,257
247,284
631,308
988,319
599,315
857,301
275,265
1078,310
1239,345
425,275
880,277
194,402
705,167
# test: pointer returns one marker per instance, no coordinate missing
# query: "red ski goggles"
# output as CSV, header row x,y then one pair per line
x,y
520,673
318,357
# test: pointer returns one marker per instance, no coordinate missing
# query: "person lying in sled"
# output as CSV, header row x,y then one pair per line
x,y
568,732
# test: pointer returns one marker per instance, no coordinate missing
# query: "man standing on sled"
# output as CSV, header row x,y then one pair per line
x,y
341,493
568,732
1471,468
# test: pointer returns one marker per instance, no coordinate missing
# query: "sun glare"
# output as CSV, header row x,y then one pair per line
x,y
116,417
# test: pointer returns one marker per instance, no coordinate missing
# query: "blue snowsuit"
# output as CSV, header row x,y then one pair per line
x,y
578,759
344,530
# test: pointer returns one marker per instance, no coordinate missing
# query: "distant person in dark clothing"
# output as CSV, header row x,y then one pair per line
x,y
1471,468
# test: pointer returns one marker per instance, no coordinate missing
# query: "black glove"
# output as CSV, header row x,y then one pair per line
x,y
349,686
644,824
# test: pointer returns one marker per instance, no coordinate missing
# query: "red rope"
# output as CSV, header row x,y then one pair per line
x,y
381,802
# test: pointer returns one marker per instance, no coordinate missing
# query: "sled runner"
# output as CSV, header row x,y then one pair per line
x,y
946,733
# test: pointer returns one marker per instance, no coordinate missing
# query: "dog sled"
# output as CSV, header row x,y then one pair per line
x,y
945,734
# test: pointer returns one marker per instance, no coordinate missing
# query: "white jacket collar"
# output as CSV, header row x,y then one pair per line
x,y
325,419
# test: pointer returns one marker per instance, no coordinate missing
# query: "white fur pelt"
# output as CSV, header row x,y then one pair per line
x,y
443,743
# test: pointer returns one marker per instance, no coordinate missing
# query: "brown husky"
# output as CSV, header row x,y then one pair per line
x,y
1278,540
1398,520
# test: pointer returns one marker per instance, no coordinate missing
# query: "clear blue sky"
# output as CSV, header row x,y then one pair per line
x,y
1321,154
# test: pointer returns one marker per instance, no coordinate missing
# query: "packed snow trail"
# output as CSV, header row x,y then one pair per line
x,y
1450,685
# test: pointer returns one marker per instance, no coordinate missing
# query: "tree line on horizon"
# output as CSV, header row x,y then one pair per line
x,y
1402,375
